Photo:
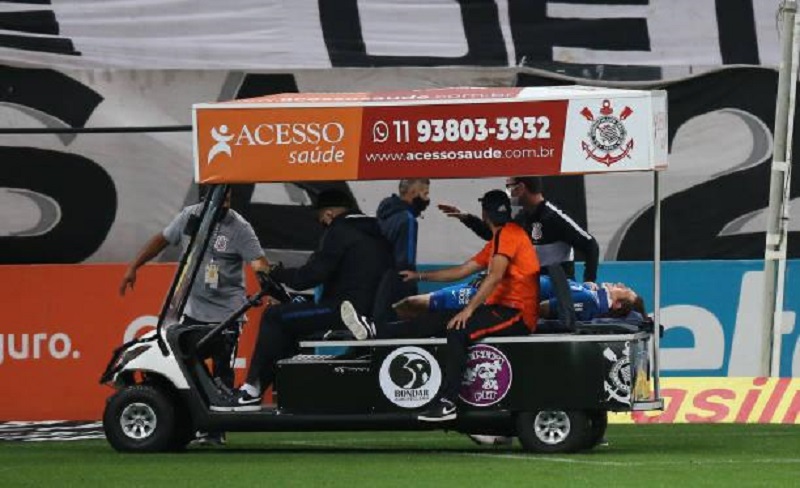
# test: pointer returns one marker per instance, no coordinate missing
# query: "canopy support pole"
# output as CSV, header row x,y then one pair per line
x,y
778,217
657,287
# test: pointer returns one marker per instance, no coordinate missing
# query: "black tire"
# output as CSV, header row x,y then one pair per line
x,y
552,431
598,422
149,423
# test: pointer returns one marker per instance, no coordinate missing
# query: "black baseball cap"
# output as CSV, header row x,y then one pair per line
x,y
497,206
334,198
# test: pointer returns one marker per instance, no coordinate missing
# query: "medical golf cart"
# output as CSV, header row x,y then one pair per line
x,y
552,389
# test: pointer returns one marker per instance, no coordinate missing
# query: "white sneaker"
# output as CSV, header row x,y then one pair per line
x,y
491,440
360,326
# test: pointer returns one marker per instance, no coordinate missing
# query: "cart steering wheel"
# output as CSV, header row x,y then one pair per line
x,y
272,287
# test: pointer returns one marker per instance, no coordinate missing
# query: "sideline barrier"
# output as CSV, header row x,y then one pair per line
x,y
723,400
60,324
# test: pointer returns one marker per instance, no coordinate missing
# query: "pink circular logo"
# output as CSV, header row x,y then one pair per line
x,y
488,376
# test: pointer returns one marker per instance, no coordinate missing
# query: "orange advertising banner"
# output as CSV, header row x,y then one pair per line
x,y
60,326
723,400
451,132
311,143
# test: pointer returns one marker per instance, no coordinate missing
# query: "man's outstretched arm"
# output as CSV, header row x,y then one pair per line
x,y
151,249
454,273
474,223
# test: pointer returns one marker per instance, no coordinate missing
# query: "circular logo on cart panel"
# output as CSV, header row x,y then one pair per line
x,y
487,378
410,377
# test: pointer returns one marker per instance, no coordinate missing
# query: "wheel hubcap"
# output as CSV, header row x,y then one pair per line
x,y
551,427
138,421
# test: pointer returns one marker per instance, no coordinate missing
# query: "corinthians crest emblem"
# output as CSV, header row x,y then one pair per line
x,y
607,135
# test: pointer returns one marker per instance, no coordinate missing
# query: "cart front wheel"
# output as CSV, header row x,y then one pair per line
x,y
140,419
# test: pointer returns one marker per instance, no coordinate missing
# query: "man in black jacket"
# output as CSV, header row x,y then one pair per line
x,y
351,259
397,216
552,231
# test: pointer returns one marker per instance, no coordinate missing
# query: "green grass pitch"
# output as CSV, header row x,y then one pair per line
x,y
678,456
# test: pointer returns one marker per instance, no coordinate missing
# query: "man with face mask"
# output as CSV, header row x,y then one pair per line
x,y
219,289
350,262
552,231
397,216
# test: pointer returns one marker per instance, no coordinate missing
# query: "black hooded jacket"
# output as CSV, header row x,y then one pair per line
x,y
351,259
398,222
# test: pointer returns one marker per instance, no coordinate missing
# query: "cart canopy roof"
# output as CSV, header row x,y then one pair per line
x,y
438,133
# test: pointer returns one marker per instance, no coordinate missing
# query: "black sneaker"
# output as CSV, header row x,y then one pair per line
x,y
241,401
361,327
439,411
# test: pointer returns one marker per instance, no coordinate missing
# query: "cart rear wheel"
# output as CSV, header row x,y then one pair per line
x,y
598,422
140,419
552,431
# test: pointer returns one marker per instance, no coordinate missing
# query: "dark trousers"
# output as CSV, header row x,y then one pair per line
x,y
223,351
282,327
488,320
433,324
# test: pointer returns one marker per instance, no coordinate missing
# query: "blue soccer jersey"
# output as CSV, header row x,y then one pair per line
x,y
589,303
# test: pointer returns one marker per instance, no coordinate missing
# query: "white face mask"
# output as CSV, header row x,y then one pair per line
x,y
515,205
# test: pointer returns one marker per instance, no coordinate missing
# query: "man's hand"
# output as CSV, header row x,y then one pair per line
x,y
452,211
409,275
262,275
127,281
460,320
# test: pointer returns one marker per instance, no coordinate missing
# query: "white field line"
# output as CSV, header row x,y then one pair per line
x,y
546,459
576,460
561,460
497,454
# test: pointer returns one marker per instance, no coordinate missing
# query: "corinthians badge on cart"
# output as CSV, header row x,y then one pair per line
x,y
608,139
618,383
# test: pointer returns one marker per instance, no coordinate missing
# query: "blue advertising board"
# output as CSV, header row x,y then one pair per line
x,y
712,314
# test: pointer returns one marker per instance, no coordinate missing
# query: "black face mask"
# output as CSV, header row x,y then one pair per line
x,y
419,204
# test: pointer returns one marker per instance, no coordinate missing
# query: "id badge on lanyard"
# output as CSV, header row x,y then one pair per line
x,y
212,268
212,274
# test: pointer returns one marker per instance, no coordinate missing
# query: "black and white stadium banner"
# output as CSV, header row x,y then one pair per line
x,y
278,34
122,188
